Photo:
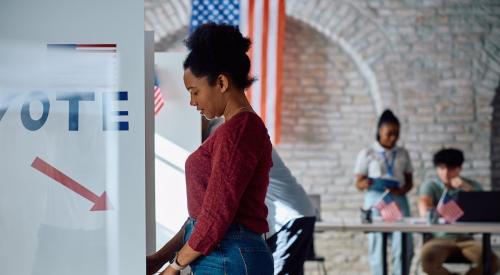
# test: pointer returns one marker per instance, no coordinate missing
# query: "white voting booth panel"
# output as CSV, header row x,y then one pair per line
x,y
72,137
178,133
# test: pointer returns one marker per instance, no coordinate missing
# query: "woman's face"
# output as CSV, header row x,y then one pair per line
x,y
205,97
388,135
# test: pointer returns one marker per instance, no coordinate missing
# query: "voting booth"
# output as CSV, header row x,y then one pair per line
x,y
177,134
73,137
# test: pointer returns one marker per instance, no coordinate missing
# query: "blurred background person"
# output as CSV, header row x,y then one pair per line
x,y
386,162
442,246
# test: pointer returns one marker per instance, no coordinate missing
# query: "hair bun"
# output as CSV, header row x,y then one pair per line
x,y
219,39
219,49
387,114
387,117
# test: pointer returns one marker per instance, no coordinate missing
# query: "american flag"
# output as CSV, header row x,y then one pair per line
x,y
158,97
263,21
389,209
448,208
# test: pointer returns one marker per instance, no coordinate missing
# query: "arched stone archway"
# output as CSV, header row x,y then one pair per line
x,y
355,32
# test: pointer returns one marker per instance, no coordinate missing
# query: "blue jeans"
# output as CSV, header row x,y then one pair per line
x,y
241,251
375,239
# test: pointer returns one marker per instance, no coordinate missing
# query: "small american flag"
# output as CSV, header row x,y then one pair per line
x,y
448,208
389,209
158,97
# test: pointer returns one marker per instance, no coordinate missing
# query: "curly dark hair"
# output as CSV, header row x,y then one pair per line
x,y
450,157
219,49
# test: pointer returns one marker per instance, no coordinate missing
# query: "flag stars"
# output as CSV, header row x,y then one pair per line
x,y
217,11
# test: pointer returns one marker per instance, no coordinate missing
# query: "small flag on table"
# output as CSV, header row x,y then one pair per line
x,y
448,208
389,209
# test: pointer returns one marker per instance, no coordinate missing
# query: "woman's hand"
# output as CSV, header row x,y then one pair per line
x,y
362,182
406,188
398,191
170,271
152,264
156,260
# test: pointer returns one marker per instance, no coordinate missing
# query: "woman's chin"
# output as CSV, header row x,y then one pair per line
x,y
209,117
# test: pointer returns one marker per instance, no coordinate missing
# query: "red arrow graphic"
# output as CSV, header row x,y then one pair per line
x,y
101,203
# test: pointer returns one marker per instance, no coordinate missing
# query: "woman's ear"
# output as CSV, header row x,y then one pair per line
x,y
223,83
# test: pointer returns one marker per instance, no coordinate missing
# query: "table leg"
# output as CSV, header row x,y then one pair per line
x,y
384,252
404,253
486,254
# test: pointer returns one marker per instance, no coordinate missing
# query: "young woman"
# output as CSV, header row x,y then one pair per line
x,y
383,160
228,175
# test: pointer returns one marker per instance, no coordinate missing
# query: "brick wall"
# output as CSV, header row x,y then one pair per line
x,y
435,63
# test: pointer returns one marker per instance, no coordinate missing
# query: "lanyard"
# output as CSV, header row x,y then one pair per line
x,y
390,166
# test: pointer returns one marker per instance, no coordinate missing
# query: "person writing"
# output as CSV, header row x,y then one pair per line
x,y
385,163
228,175
442,246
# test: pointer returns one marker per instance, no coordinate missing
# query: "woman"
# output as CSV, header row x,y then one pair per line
x,y
228,175
384,160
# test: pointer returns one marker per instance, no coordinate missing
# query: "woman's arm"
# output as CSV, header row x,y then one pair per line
x,y
156,260
406,188
184,257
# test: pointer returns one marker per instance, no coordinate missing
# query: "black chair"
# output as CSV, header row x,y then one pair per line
x,y
319,260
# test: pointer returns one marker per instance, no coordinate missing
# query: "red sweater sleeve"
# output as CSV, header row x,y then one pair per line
x,y
236,155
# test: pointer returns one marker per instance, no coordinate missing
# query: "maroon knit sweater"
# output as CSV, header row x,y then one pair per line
x,y
227,179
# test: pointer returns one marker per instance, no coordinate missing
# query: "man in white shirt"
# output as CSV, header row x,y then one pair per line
x,y
291,219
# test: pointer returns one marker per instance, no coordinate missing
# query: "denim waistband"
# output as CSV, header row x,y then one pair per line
x,y
232,228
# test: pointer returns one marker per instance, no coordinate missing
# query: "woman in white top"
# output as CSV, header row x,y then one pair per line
x,y
384,160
